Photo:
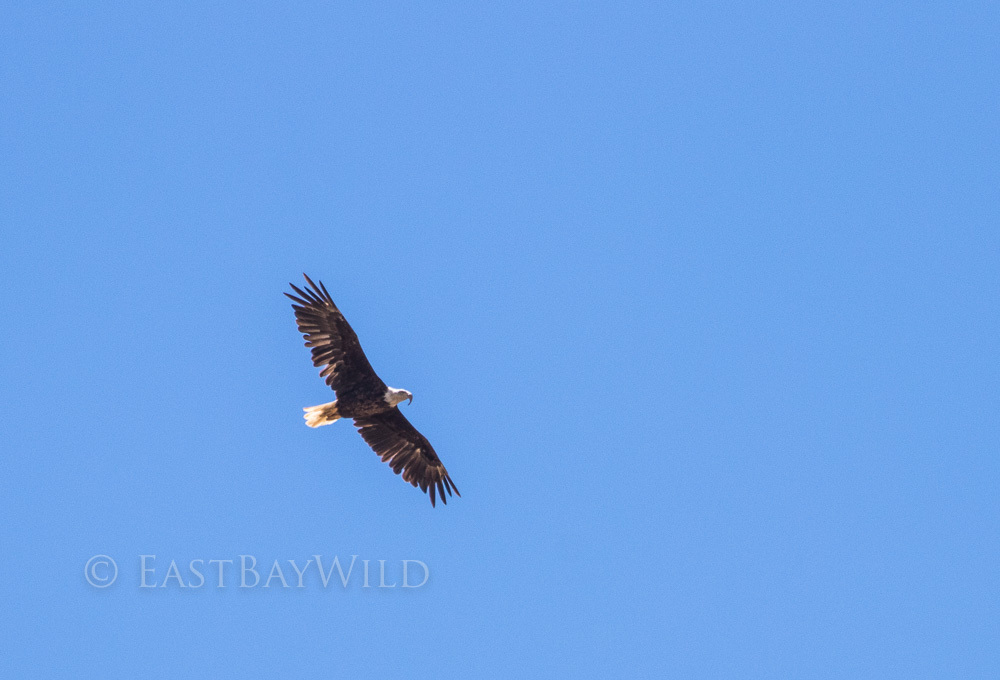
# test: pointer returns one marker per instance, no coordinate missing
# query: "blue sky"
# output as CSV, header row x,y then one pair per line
x,y
698,304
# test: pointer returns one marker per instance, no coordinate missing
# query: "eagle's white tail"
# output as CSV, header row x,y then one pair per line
x,y
324,414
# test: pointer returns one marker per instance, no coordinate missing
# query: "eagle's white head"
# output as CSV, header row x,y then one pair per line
x,y
394,396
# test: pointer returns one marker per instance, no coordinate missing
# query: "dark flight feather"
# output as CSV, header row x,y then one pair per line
x,y
334,343
407,451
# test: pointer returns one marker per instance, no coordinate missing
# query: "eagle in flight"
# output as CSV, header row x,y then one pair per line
x,y
361,394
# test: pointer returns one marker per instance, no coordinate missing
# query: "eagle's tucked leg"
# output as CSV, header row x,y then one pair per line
x,y
324,414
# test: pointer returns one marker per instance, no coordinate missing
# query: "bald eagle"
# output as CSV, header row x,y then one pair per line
x,y
361,394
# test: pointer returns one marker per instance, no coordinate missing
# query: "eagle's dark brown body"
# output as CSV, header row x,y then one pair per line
x,y
362,402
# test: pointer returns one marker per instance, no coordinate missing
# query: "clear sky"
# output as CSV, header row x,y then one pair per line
x,y
698,303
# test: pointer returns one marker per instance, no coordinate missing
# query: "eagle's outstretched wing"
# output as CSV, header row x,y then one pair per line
x,y
334,343
407,451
